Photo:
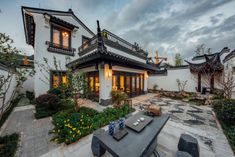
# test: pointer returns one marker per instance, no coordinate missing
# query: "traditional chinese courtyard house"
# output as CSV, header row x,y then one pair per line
x,y
110,62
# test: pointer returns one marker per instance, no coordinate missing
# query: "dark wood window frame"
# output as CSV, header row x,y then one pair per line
x,y
93,74
58,73
61,29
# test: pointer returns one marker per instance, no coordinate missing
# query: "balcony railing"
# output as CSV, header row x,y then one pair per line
x,y
113,41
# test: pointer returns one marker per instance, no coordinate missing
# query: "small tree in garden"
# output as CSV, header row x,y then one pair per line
x,y
227,83
78,86
181,84
155,87
178,59
10,56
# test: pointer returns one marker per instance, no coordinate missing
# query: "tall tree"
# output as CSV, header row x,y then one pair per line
x,y
201,50
178,59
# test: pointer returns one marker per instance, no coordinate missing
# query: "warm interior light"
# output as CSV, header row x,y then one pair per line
x,y
109,73
65,34
146,75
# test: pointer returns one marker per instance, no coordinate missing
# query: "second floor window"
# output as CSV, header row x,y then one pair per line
x,y
61,38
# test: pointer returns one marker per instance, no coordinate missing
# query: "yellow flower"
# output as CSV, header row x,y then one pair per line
x,y
74,129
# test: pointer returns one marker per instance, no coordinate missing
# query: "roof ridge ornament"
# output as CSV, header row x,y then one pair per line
x,y
101,47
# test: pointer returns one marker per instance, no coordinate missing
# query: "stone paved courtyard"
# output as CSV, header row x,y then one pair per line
x,y
34,136
197,121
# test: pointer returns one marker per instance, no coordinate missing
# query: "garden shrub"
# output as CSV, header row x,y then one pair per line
x,y
67,103
48,101
56,91
8,145
62,91
71,125
118,97
225,110
155,87
47,105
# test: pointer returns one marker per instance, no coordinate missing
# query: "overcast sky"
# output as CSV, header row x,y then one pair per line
x,y
171,26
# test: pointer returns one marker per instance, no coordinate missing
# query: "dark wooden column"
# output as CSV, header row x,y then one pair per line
x,y
212,83
199,82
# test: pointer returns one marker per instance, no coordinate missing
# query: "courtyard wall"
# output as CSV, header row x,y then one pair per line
x,y
167,81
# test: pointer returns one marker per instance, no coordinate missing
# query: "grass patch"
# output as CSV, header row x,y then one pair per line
x,y
9,145
71,125
8,112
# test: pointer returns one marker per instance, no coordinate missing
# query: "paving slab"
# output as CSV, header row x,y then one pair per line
x,y
34,136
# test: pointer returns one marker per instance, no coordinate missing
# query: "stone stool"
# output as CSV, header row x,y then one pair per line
x,y
96,148
188,144
182,154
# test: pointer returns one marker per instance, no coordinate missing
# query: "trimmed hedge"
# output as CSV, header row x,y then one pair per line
x,y
71,125
49,104
225,112
9,145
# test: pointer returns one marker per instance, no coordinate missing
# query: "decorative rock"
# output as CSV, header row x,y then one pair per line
x,y
182,154
96,148
188,144
155,109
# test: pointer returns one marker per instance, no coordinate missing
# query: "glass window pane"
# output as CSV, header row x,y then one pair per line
x,y
55,81
65,39
137,83
114,82
56,37
91,83
64,80
97,84
122,83
133,83
141,82
128,84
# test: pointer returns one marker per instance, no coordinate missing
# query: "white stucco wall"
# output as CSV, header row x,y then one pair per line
x,y
168,82
42,34
9,91
28,85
